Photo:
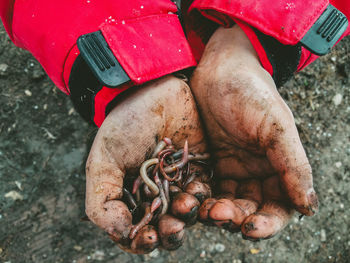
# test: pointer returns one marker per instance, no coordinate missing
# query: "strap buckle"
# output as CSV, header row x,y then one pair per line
x,y
326,31
102,62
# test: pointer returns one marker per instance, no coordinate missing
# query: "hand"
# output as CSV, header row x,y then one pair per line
x,y
163,108
253,138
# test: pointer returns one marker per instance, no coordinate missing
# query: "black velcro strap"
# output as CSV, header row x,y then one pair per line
x,y
83,87
102,62
283,58
326,31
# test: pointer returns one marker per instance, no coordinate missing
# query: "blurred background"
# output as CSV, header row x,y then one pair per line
x,y
44,144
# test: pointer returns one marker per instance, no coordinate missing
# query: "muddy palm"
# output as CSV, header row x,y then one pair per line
x,y
253,138
128,136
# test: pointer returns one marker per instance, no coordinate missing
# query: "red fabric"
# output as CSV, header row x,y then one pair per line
x,y
287,21
144,35
6,12
102,99
149,47
49,30
306,56
257,46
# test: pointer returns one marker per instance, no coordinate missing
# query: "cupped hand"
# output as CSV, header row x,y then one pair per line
x,y
253,138
127,137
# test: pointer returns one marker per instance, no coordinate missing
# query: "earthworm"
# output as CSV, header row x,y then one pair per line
x,y
161,168
198,156
177,154
161,153
192,156
144,221
167,141
138,195
129,199
156,204
180,164
147,192
190,179
159,147
143,173
136,185
179,176
162,194
166,189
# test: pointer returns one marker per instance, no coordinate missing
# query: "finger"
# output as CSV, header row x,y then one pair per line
x,y
185,206
145,241
233,213
272,217
199,190
171,232
267,222
204,209
287,156
104,184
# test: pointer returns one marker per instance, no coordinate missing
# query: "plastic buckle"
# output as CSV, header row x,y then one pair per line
x,y
99,57
326,31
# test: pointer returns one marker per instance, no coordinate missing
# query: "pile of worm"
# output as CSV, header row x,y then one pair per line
x,y
166,196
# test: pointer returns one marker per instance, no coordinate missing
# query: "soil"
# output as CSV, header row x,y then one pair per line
x,y
44,144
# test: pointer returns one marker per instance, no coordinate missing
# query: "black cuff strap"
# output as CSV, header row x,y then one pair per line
x,y
284,59
83,87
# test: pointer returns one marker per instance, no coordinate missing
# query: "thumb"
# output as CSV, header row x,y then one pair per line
x,y
287,155
104,184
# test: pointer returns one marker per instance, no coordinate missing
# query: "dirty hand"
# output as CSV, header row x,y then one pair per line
x,y
254,141
127,137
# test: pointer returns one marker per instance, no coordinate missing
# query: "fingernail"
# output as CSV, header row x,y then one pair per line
x,y
313,201
175,240
249,227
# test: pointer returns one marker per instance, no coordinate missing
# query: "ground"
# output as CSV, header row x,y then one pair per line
x,y
44,144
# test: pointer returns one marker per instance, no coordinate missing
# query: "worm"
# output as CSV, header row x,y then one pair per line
x,y
162,194
180,164
159,147
138,196
167,141
177,154
161,153
144,221
130,199
190,179
166,189
147,192
156,204
143,173
161,168
136,185
198,156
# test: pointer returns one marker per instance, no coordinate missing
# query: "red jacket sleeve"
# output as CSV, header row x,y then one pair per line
x,y
145,36
269,24
6,12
